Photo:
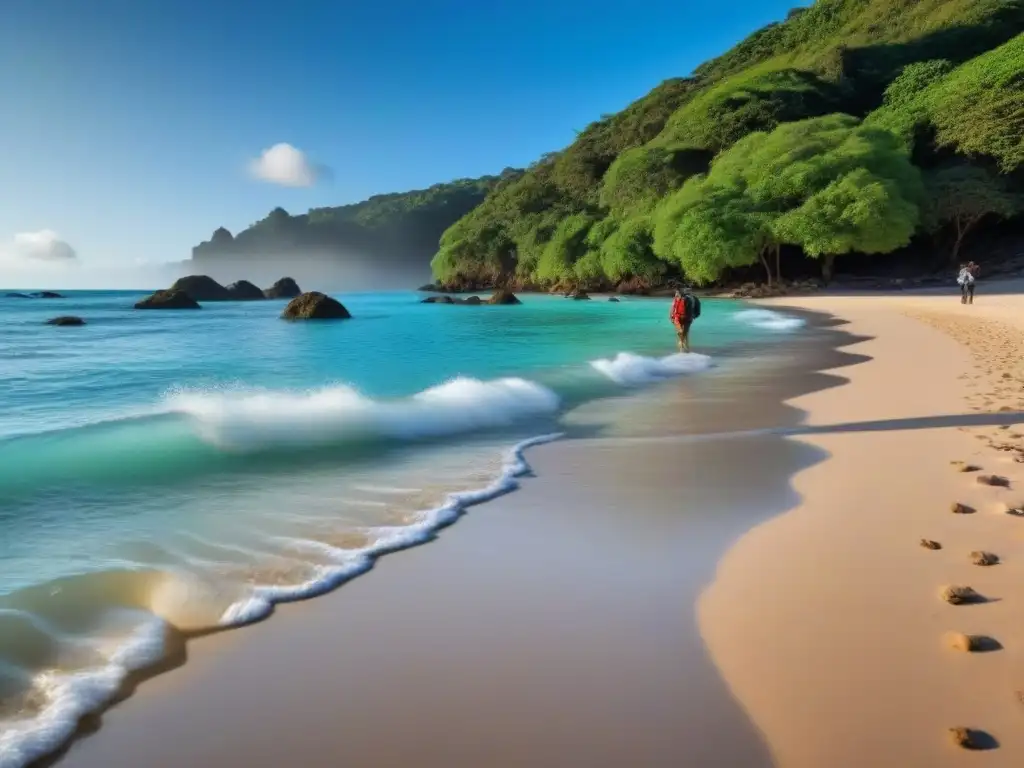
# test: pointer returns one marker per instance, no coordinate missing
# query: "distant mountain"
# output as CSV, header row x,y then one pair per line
x,y
387,239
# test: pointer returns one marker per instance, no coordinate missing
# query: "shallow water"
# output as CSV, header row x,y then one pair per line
x,y
175,472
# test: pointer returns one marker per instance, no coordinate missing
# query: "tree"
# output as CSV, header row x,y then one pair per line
x,y
707,229
628,252
962,195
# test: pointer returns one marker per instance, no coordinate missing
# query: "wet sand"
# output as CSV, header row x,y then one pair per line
x,y
554,626
827,622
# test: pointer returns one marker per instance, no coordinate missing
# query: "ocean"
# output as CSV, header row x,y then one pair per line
x,y
165,474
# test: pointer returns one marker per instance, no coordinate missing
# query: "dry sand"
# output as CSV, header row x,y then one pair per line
x,y
827,622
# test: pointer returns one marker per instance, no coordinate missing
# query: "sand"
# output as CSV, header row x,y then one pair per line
x,y
654,600
827,622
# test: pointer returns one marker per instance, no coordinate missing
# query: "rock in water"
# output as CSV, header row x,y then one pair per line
x,y
438,300
314,305
243,290
168,300
201,288
47,295
285,288
503,296
66,320
612,298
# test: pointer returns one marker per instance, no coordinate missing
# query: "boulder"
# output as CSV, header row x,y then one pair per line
x,y
438,300
578,295
285,288
503,296
612,298
168,300
472,300
243,290
66,320
314,305
201,288
47,295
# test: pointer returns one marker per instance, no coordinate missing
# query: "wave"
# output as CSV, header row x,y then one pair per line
x,y
176,602
631,370
192,433
769,320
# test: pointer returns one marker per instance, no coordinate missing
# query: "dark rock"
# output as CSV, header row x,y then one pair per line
x,y
578,295
285,288
612,298
243,290
503,296
201,288
430,288
46,295
168,300
929,544
994,480
956,595
980,557
473,300
18,296
66,320
438,300
314,305
961,509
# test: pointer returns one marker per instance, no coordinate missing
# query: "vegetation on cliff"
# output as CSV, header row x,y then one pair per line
x,y
851,127
395,229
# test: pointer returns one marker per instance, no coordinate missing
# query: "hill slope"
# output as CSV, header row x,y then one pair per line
x,y
943,75
394,231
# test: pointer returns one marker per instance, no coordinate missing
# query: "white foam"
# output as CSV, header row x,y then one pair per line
x,y
461,405
631,370
70,696
769,320
348,563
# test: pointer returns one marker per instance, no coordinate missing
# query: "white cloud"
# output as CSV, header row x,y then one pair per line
x,y
285,165
44,245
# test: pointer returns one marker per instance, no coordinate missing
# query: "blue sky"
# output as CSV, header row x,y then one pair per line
x,y
128,125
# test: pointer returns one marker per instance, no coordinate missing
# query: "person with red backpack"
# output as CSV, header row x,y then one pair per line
x,y
685,309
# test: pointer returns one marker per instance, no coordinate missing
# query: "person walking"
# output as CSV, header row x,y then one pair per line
x,y
685,309
966,280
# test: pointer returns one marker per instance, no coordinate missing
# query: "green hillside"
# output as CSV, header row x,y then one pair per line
x,y
851,127
399,230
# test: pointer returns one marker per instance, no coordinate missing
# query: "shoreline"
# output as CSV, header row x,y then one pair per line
x,y
826,621
529,644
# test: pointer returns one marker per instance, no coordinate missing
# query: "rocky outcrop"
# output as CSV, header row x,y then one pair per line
x,y
285,288
762,291
503,296
314,305
470,300
578,295
243,290
36,295
201,288
66,320
168,300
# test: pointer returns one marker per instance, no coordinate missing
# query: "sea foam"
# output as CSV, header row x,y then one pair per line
x,y
631,370
769,320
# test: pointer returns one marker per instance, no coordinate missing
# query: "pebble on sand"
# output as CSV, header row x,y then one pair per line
x,y
966,643
961,509
994,480
957,595
929,544
964,737
979,557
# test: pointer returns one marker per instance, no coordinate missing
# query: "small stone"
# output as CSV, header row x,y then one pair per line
x,y
979,557
957,595
966,643
929,544
994,480
961,509
66,320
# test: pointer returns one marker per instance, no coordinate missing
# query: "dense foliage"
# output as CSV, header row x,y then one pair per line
x,y
832,132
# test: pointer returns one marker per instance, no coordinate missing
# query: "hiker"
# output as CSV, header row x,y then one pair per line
x,y
685,309
966,280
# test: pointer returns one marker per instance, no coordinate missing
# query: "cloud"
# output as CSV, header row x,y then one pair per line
x,y
285,165
44,245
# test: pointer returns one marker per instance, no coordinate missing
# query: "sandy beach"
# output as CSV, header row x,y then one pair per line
x,y
751,599
827,621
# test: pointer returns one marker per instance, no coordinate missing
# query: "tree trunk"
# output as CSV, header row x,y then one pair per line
x,y
778,263
767,266
962,228
827,263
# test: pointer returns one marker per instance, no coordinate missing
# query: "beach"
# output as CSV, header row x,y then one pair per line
x,y
740,587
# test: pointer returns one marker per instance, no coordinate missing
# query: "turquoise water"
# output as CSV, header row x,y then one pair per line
x,y
173,472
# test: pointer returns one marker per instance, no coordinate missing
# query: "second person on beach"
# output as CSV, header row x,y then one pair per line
x,y
966,280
